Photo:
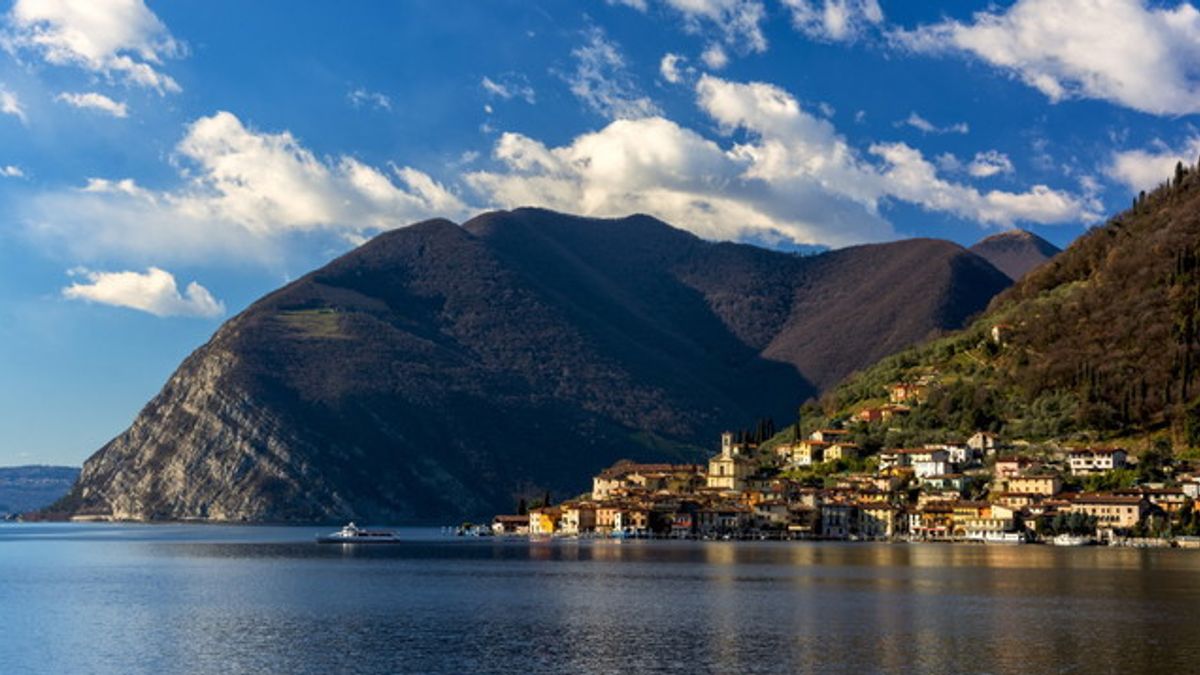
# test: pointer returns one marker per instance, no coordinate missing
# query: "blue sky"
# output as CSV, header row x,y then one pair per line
x,y
163,165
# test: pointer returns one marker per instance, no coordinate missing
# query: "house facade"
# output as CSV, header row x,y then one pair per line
x,y
1086,461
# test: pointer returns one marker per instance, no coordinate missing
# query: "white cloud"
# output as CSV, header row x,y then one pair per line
x,y
795,178
908,176
120,39
669,68
94,101
153,291
360,97
738,22
639,5
652,165
948,162
925,126
11,171
1146,169
989,163
509,86
602,82
245,190
835,20
11,105
1123,51
714,57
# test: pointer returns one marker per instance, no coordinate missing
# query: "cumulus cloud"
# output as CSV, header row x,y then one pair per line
x,y
990,163
738,23
794,179
1123,51
652,165
834,20
509,86
908,176
244,191
1145,169
360,97
602,81
11,171
11,105
153,291
715,57
669,68
119,39
94,101
925,126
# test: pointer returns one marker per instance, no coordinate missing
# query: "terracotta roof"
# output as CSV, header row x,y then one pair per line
x,y
511,519
1106,499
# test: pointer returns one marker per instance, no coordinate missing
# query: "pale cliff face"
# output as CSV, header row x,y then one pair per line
x,y
204,448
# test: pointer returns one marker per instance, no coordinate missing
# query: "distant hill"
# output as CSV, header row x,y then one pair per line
x,y
1015,252
29,488
440,371
1098,344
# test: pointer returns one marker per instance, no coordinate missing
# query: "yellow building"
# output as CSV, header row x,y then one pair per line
x,y
730,469
544,520
1047,486
1111,511
878,520
844,451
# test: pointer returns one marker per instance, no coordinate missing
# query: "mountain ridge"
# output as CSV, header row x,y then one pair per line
x,y
440,370
33,486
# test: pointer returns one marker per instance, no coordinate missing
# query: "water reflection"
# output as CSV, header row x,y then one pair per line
x,y
214,600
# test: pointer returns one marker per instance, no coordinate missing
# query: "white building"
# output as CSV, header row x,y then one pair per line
x,y
1096,460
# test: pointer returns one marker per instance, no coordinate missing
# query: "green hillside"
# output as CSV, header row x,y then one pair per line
x,y
1099,344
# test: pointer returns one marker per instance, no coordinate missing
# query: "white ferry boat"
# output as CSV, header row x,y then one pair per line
x,y
1072,540
352,534
1003,538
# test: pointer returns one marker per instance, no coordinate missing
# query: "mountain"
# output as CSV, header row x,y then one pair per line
x,y
440,371
1098,344
1015,252
28,488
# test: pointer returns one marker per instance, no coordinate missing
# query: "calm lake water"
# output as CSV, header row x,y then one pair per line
x,y
206,599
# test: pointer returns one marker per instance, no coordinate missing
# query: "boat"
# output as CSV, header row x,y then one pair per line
x,y
1072,540
353,534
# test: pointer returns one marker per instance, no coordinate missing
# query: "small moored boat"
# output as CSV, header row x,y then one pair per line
x,y
352,534
1072,540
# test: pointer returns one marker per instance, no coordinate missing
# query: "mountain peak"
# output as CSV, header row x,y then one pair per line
x,y
442,371
1015,252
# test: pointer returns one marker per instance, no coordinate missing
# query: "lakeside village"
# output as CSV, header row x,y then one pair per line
x,y
979,490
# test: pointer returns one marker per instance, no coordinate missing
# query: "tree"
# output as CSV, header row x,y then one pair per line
x,y
1178,174
546,499
522,507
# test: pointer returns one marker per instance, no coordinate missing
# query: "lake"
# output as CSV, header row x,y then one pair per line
x,y
100,598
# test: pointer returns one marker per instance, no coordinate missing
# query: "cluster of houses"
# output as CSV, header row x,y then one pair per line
x,y
970,491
